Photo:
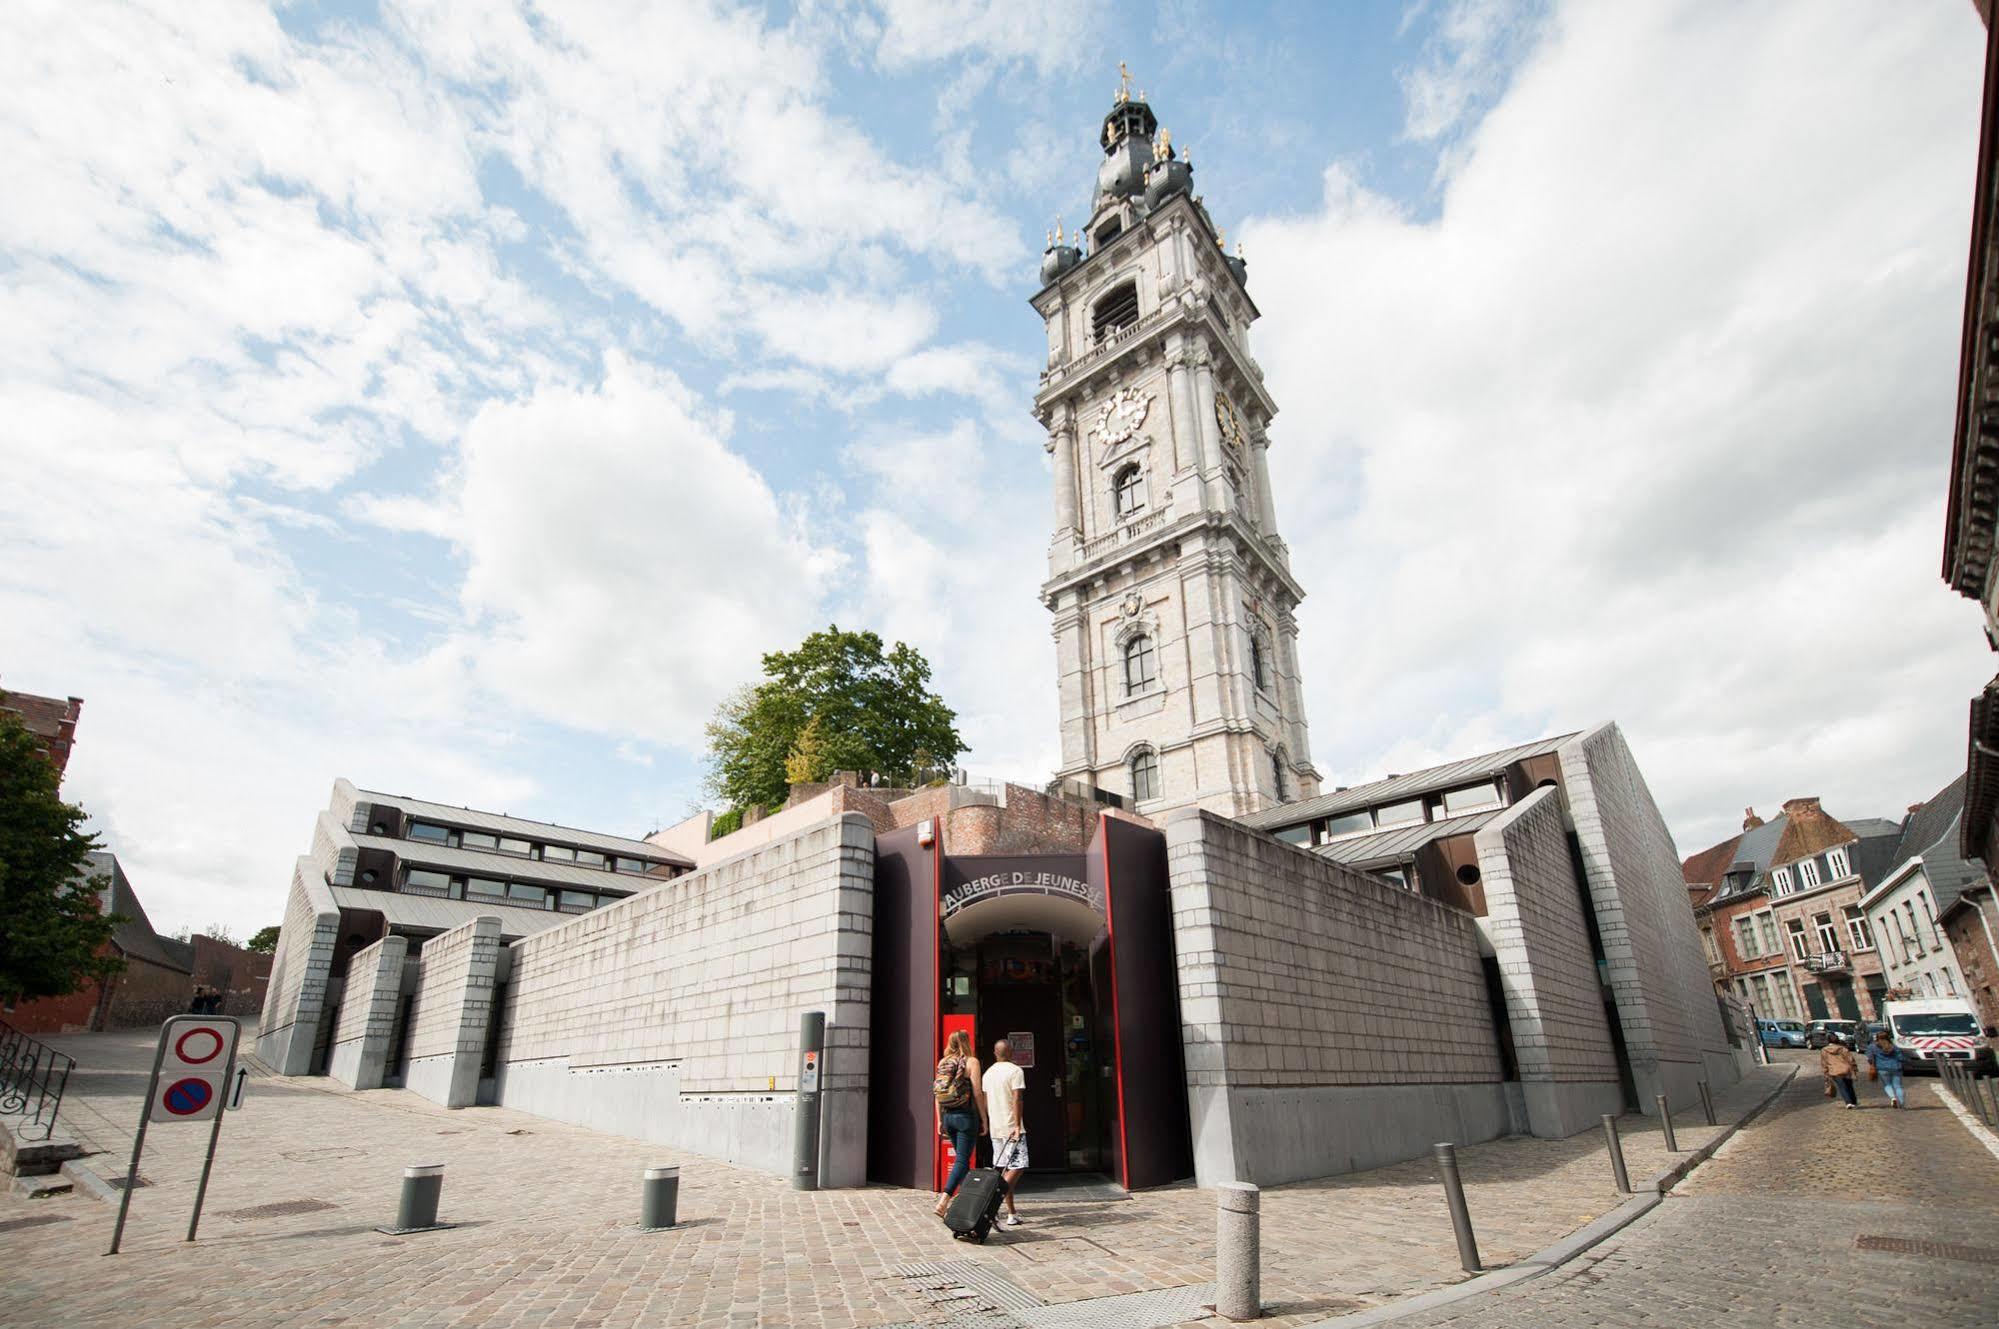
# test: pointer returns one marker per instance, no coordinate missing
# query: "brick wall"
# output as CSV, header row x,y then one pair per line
x,y
146,994
68,1014
1535,920
1969,943
673,1015
242,976
452,1010
1329,1020
1665,1003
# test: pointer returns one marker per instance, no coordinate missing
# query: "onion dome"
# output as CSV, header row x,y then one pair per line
x,y
1127,141
1058,259
1239,266
1169,175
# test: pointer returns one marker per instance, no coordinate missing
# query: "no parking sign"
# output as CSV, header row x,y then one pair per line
x,y
191,1070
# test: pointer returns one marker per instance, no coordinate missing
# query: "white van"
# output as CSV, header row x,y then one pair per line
x,y
1937,1029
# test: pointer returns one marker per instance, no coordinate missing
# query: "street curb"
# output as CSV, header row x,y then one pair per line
x,y
1558,1253
1677,1173
89,1183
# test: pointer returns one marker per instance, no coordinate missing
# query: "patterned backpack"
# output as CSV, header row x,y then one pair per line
x,y
951,1086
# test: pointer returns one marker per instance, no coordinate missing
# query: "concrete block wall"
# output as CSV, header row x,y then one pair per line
x,y
1330,1021
673,1015
1652,947
367,1019
452,1012
302,964
1547,970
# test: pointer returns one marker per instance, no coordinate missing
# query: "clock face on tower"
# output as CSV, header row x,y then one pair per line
x,y
1119,417
1230,421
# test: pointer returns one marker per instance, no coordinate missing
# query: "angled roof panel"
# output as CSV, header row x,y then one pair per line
x,y
1404,840
1397,787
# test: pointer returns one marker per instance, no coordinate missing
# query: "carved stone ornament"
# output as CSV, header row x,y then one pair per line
x,y
1119,417
1131,604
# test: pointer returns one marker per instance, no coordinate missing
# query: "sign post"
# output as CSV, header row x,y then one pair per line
x,y
192,1068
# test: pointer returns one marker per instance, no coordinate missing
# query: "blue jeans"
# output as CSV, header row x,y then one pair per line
x,y
961,1127
1891,1085
1844,1084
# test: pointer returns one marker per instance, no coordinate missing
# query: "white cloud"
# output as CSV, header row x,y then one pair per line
x,y
624,569
1463,64
1651,423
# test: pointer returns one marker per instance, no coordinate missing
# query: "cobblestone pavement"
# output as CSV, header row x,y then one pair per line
x,y
546,1216
1770,1231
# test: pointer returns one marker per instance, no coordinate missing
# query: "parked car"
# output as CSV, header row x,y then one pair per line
x,y
1819,1032
1781,1033
1938,1029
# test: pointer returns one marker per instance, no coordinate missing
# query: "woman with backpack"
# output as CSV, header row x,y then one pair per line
x,y
961,1110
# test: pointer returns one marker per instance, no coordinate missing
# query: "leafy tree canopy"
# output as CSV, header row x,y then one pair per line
x,y
263,939
53,926
839,702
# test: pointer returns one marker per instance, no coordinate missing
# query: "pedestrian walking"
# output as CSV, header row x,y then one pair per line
x,y
1884,1063
1006,1094
1836,1063
961,1110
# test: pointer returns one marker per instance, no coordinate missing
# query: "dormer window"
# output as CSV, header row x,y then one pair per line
x,y
1781,879
1115,312
1127,490
1808,873
1837,863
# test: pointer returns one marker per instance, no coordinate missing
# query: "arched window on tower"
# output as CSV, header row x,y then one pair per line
x,y
1144,775
1277,765
1141,665
1127,490
1115,312
1259,666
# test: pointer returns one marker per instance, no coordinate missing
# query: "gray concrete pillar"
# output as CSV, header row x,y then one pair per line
x,y
1238,1251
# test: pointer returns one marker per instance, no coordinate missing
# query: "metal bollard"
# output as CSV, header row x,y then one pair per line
x,y
1666,1123
1992,1110
1454,1196
805,1112
1616,1154
1707,1102
1238,1282
659,1200
416,1210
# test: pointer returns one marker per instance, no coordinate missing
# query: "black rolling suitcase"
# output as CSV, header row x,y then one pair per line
x,y
976,1204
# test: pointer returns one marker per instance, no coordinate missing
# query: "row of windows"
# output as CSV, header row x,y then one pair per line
x,y
1141,665
492,890
1915,937
1409,812
1145,775
538,850
1837,863
1771,995
1859,936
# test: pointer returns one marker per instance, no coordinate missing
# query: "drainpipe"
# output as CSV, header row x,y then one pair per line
x,y
1986,923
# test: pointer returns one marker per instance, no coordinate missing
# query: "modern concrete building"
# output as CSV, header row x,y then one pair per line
x,y
388,866
1175,636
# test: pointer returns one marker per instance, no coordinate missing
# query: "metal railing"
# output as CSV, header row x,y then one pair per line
x,y
32,1078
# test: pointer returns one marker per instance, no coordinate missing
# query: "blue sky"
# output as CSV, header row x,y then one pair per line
x,y
459,398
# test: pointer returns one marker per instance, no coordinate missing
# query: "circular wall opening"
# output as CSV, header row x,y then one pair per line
x,y
381,828
1468,874
368,874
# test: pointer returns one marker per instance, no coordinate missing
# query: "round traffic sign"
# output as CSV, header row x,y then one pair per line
x,y
184,1098
199,1044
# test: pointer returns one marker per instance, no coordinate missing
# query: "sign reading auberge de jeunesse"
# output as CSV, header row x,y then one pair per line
x,y
975,880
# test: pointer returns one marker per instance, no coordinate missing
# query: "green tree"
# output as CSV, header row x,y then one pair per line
x,y
264,940
839,702
54,933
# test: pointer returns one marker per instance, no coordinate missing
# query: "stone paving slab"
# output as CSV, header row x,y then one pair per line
x,y
546,1216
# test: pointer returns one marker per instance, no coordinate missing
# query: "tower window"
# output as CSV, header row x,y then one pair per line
x,y
1277,772
1127,490
1141,665
1115,312
1144,776
1259,671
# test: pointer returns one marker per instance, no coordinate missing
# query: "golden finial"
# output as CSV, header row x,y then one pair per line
x,y
1058,228
1162,147
1123,84
1051,239
1221,238
1187,156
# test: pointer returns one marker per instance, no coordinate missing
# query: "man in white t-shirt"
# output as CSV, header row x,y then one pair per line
x,y
1006,1091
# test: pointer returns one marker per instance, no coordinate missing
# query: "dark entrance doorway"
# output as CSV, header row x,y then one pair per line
x,y
1815,1005
1020,1000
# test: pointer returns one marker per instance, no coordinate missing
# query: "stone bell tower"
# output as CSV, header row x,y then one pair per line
x,y
1175,629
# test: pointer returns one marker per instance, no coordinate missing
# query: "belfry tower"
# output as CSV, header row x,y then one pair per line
x,y
1175,630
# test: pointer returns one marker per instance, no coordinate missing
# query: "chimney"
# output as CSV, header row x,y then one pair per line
x,y
1803,808
1914,808
1750,821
